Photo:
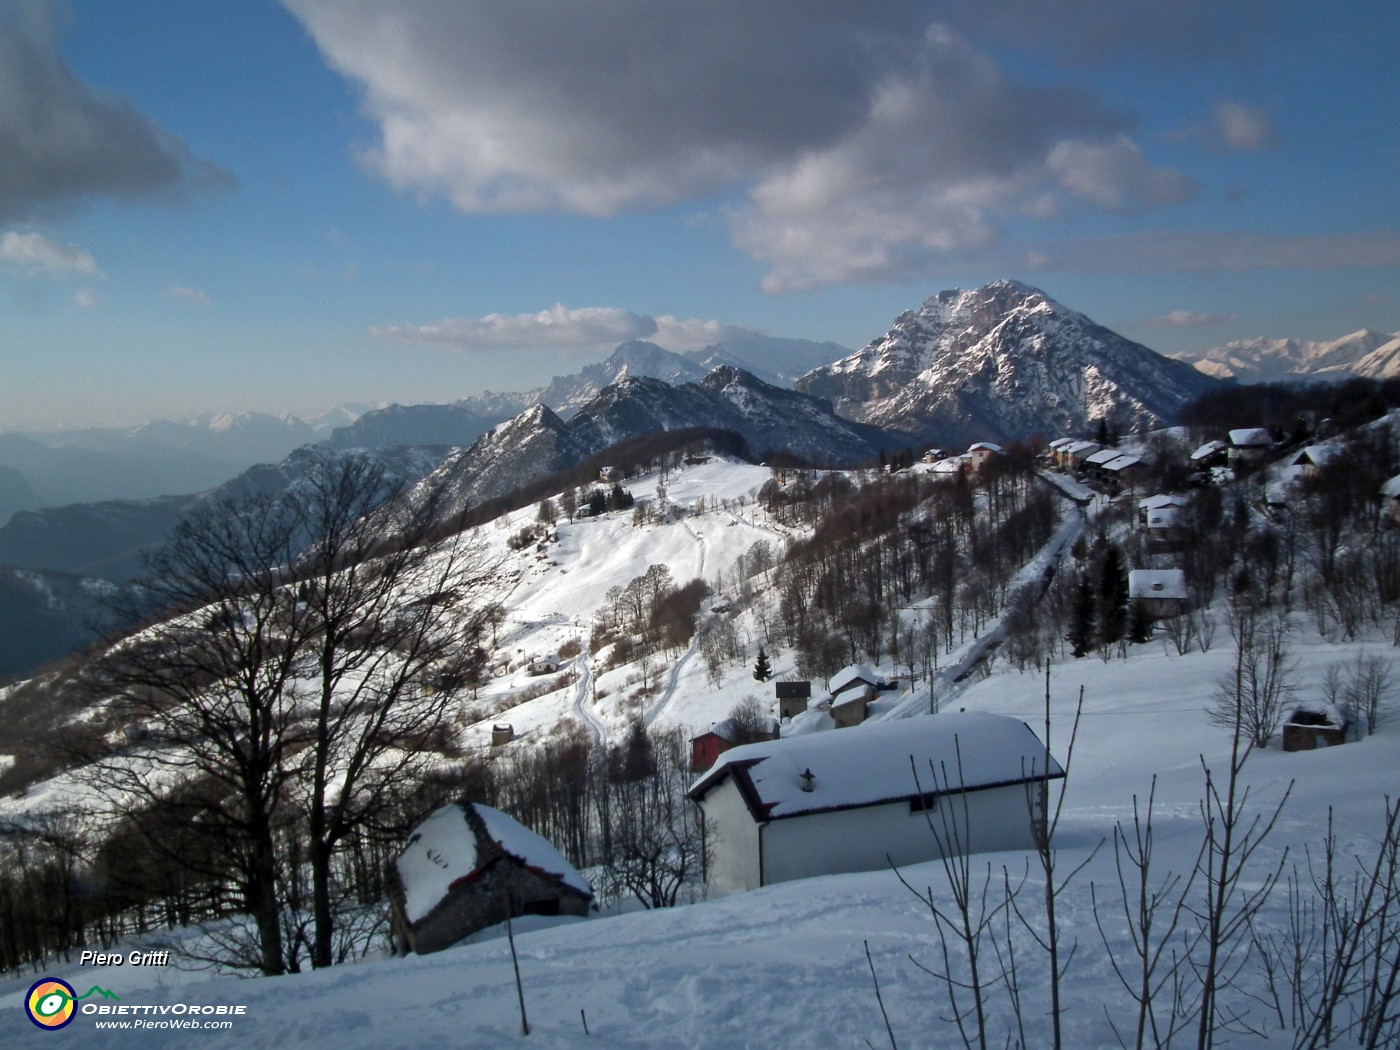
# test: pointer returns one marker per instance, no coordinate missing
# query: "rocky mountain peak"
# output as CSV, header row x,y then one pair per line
x,y
1001,362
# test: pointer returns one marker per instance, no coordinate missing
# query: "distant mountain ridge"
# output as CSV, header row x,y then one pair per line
x,y
776,361
540,441
1003,362
1368,354
107,538
159,458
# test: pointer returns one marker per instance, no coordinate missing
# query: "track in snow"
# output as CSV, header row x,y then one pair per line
x,y
583,703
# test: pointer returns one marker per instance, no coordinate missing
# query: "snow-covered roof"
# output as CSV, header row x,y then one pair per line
x,y
442,851
1078,448
1159,501
1311,710
1103,455
1391,488
1317,455
1210,448
1122,463
1251,437
984,446
870,764
730,730
1157,583
1060,443
853,673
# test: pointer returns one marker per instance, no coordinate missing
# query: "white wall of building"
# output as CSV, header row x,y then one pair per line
x,y
733,841
863,839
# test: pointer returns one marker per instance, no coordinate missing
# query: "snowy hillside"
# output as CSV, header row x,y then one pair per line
x,y
787,965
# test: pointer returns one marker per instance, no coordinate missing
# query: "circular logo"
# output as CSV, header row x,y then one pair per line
x,y
49,1003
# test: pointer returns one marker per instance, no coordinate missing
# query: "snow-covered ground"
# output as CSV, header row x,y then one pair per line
x,y
786,966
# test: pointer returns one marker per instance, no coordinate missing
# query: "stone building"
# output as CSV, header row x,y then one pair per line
x,y
468,867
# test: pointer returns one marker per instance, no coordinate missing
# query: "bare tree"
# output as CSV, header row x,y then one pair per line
x,y
657,838
1251,697
314,644
391,624
210,691
1369,688
1153,909
966,925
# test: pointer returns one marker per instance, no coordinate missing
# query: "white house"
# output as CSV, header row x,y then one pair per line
x,y
906,791
1249,444
1159,514
1161,592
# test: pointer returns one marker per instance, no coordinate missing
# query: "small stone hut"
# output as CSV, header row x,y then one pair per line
x,y
1313,725
468,867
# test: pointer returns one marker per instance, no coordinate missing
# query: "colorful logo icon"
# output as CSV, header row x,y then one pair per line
x,y
50,1003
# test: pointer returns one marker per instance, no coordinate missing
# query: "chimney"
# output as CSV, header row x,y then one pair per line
x,y
806,777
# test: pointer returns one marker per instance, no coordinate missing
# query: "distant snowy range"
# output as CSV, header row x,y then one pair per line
x,y
1001,362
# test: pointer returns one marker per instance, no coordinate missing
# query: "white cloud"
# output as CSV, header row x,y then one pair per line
x,y
1115,175
1243,129
1190,319
38,254
559,326
86,299
192,295
868,142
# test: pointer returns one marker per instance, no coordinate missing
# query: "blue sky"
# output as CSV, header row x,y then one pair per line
x,y
242,205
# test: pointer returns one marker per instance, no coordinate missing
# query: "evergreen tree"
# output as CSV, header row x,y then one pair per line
x,y
1081,626
761,669
1113,596
1139,624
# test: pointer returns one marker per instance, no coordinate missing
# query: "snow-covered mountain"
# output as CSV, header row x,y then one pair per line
x,y
1002,362
780,362
540,441
1364,353
774,360
566,395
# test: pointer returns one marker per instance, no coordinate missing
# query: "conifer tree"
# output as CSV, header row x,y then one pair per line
x,y
761,669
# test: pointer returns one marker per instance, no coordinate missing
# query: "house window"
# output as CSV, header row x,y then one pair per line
x,y
927,803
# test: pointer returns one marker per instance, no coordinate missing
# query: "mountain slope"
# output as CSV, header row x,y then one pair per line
x,y
1003,362
402,425
540,441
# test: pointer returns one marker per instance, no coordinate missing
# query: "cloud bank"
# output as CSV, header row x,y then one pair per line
x,y
1190,319
560,327
850,141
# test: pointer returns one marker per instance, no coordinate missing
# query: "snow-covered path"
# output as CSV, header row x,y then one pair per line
x,y
583,701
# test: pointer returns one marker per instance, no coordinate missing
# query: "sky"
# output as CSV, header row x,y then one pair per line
x,y
243,205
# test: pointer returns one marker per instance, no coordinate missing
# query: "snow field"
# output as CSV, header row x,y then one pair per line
x,y
785,966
